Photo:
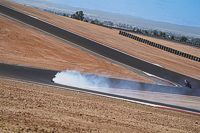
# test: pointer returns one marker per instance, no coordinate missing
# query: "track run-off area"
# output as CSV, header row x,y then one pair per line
x,y
45,76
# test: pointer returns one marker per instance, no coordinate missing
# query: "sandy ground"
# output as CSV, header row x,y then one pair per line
x,y
34,108
21,45
113,39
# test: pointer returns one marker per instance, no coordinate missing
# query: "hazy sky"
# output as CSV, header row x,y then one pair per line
x,y
183,12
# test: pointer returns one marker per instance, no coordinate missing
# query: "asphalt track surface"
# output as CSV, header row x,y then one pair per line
x,y
101,49
45,76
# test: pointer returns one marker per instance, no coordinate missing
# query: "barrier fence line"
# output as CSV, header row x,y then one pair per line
x,y
162,47
174,40
99,48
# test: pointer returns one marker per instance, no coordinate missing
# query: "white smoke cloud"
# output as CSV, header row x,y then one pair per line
x,y
151,92
105,84
77,79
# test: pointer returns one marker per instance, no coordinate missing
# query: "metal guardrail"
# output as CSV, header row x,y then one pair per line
x,y
169,39
162,47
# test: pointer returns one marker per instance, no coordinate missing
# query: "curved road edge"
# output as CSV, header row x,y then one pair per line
x,y
44,76
100,48
113,96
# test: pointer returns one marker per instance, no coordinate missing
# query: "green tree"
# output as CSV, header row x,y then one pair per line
x,y
96,21
101,24
146,32
85,20
138,31
183,38
164,34
81,15
92,22
155,33
78,15
172,37
160,34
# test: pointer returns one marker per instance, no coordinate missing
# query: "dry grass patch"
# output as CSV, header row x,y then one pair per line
x,y
35,108
113,39
21,45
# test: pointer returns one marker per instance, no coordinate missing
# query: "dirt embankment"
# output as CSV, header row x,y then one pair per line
x,y
21,45
113,39
34,108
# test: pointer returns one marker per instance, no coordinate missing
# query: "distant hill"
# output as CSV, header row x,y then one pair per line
x,y
144,23
116,18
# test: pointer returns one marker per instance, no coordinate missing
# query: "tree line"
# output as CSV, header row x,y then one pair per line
x,y
79,15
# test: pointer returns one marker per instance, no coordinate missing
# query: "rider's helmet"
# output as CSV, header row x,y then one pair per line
x,y
185,81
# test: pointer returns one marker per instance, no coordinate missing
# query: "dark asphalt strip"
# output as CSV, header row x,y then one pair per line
x,y
44,76
101,49
137,71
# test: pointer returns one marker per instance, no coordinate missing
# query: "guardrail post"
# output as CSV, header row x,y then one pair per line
x,y
161,47
198,60
157,45
125,34
172,50
132,36
169,50
177,52
182,54
164,48
186,55
195,58
189,56
192,57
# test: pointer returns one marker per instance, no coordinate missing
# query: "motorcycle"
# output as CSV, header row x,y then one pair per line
x,y
188,85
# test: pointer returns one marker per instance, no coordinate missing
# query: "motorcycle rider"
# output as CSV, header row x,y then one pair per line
x,y
187,84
